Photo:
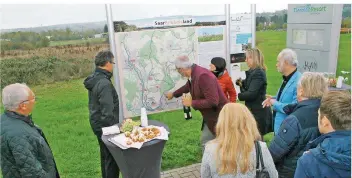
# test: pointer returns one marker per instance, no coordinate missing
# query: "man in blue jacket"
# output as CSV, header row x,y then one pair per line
x,y
287,65
301,126
330,155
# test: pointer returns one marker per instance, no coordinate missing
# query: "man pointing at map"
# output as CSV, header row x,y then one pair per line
x,y
207,95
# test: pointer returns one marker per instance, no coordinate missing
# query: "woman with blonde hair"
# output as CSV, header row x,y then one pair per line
x,y
232,153
253,90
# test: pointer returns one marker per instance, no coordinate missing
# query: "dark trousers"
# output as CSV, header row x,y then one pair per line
x,y
109,168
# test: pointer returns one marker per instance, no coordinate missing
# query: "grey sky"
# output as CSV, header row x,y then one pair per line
x,y
32,15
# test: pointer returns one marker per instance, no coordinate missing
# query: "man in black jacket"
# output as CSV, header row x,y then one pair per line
x,y
103,107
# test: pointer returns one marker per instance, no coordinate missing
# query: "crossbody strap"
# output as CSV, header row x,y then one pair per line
x,y
261,156
257,154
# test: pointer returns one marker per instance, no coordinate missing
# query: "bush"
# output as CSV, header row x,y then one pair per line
x,y
345,30
23,41
34,71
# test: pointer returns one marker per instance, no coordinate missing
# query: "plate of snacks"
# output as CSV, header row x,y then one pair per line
x,y
138,136
332,82
129,124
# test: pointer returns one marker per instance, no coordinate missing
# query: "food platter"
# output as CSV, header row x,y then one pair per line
x,y
138,136
142,134
128,125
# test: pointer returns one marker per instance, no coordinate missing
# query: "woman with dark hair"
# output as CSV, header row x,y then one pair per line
x,y
218,68
253,90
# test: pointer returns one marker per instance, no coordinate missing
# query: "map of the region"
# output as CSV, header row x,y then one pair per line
x,y
146,67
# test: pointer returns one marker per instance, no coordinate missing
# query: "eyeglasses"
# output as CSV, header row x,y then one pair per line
x,y
34,98
178,70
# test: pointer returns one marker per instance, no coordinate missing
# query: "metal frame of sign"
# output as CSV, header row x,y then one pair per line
x,y
111,32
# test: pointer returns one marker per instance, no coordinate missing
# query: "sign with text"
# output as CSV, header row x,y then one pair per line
x,y
240,41
240,33
313,31
310,13
173,22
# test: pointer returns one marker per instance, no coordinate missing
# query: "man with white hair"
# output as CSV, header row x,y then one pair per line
x,y
287,65
207,95
25,152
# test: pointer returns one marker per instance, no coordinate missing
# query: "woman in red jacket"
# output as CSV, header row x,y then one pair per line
x,y
218,67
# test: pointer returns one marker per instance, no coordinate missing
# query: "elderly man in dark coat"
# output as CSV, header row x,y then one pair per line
x,y
25,152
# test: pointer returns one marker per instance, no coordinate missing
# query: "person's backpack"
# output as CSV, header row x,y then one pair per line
x,y
261,171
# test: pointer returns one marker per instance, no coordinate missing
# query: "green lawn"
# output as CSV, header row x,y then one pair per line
x,y
272,42
78,42
62,112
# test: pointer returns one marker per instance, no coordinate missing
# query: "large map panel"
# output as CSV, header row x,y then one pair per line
x,y
146,69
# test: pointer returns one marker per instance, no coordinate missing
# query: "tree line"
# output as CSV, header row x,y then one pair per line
x,y
278,19
31,40
23,41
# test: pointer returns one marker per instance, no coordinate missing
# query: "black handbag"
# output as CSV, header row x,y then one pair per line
x,y
261,171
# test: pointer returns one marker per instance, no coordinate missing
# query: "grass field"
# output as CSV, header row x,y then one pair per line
x,y
272,42
62,112
78,42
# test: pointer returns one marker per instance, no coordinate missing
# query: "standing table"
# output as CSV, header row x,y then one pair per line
x,y
139,163
344,87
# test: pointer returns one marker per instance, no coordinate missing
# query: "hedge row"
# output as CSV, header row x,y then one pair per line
x,y
35,71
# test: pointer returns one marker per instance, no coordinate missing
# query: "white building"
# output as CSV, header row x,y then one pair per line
x,y
100,35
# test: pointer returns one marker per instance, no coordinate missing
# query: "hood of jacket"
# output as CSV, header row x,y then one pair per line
x,y
225,75
334,149
290,108
93,79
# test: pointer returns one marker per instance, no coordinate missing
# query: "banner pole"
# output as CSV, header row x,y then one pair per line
x,y
253,13
228,38
111,33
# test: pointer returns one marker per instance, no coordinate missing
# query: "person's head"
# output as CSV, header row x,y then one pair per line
x,y
335,112
287,61
105,60
255,59
235,123
183,66
217,65
311,85
18,98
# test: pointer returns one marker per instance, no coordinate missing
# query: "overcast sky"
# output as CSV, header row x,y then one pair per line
x,y
24,16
